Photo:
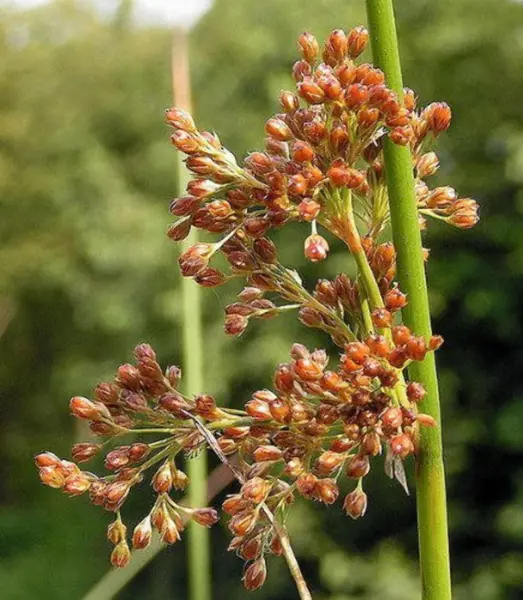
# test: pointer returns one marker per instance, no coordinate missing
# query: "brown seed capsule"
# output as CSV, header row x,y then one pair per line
x,y
397,357
435,342
185,142
184,206
356,95
316,248
328,462
86,409
426,420
356,41
84,452
358,466
438,116
392,418
416,348
371,444
289,101
327,491
255,575
355,504
121,555
235,324
395,299
243,523
401,335
306,484
308,369
357,351
415,392
251,548
267,453
343,176
142,534
381,317
378,345
205,516
310,91
309,47
258,409
255,489
278,129
162,481
302,152
402,445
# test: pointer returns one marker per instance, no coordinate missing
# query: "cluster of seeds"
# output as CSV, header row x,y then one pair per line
x,y
322,165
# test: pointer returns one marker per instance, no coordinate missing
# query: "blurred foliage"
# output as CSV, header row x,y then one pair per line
x,y
86,272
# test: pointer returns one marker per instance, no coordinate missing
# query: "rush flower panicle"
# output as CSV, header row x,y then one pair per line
x,y
326,419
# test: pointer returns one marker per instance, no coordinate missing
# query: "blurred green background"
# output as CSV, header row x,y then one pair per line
x,y
86,272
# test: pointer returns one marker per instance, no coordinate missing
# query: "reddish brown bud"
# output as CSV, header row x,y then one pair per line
x,y
356,95
310,91
378,345
416,348
343,176
309,47
278,129
328,462
180,119
47,459
180,230
357,351
142,534
205,516
316,248
306,484
381,317
255,575
355,504
162,481
401,135
358,466
121,555
289,101
242,523
86,409
308,369
267,453
337,44
438,116
250,549
397,357
235,504
415,392
356,41
258,409
395,299
52,477
185,142
302,152
426,420
401,334
327,491
402,445
235,324
435,342
392,418
427,164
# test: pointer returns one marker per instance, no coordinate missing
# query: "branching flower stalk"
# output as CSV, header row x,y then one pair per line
x,y
323,165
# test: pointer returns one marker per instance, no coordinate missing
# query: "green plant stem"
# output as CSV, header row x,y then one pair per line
x,y
431,500
200,585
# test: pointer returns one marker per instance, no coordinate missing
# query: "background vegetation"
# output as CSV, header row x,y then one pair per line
x,y
86,272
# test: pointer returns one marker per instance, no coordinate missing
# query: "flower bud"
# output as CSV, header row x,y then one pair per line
x,y
395,299
343,176
289,101
336,45
243,523
358,466
355,504
328,462
310,91
306,484
162,480
427,164
438,116
47,459
401,136
415,392
255,575
52,477
142,534
258,410
205,516
256,489
121,555
250,549
426,420
356,95
327,491
267,453
278,129
180,119
185,142
316,248
356,41
392,418
86,409
180,230
402,445
309,47
76,484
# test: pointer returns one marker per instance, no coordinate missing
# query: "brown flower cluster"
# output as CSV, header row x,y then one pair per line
x,y
321,423
142,400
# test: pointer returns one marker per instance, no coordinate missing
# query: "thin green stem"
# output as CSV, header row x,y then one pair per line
x,y
200,585
431,500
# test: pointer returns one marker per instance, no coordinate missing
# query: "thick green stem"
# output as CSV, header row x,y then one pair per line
x,y
200,586
431,500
